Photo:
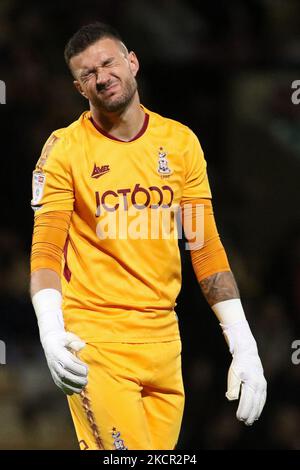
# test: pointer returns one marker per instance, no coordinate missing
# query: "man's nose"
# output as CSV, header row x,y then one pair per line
x,y
101,77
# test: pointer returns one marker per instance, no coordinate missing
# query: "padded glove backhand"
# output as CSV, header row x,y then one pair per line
x,y
245,376
68,372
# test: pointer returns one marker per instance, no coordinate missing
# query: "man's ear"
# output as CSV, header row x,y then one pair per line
x,y
79,89
133,62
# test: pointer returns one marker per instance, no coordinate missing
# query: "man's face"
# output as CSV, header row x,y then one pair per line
x,y
105,74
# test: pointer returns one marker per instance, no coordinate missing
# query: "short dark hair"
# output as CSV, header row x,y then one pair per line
x,y
88,35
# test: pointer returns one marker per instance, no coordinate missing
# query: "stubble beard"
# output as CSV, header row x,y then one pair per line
x,y
118,104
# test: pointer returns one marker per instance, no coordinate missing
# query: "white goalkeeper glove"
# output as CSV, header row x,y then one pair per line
x,y
68,372
246,372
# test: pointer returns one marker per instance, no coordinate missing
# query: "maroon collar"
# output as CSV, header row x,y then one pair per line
x,y
139,134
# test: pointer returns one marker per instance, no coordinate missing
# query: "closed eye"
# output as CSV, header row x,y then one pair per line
x,y
108,62
84,76
88,73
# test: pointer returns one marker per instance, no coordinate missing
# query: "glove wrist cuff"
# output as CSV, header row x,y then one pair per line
x,y
47,304
235,327
229,312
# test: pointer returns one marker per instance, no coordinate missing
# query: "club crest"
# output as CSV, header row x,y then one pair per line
x,y
118,442
163,164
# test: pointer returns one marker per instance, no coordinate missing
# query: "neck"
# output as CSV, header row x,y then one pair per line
x,y
123,125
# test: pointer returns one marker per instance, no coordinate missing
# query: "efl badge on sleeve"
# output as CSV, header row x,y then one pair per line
x,y
38,184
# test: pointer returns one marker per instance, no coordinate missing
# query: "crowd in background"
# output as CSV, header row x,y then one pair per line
x,y
225,69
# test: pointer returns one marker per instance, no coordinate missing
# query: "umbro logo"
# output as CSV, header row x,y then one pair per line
x,y
99,171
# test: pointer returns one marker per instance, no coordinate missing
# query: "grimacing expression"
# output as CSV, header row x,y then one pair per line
x,y
105,74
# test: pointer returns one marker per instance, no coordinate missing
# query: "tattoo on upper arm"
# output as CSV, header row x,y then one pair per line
x,y
218,287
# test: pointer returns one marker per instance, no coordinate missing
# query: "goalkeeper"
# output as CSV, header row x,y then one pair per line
x,y
105,300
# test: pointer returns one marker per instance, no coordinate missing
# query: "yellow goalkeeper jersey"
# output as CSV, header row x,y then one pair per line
x,y
121,270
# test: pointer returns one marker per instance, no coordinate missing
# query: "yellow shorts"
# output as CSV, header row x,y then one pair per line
x,y
134,398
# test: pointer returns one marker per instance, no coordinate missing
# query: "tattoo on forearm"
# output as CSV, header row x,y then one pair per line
x,y
218,287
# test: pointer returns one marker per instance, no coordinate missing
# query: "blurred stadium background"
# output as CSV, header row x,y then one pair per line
x,y
225,69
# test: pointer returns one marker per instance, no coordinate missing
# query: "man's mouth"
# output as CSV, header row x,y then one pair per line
x,y
110,89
